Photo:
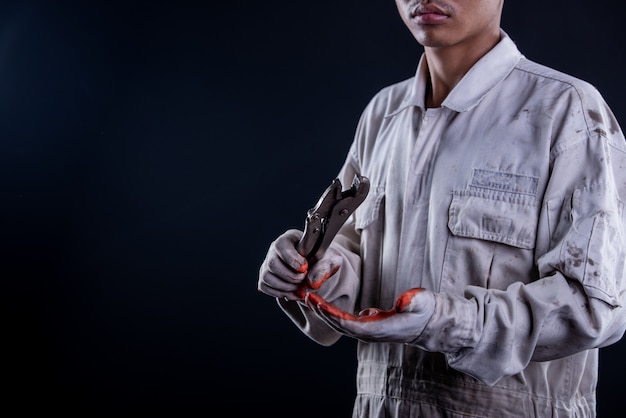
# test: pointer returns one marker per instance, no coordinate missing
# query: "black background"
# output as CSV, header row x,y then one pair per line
x,y
151,150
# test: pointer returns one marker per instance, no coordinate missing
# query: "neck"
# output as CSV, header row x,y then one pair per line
x,y
447,66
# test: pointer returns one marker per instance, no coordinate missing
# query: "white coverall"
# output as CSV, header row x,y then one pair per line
x,y
507,202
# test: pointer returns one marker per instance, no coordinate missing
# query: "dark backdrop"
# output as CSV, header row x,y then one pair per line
x,y
151,150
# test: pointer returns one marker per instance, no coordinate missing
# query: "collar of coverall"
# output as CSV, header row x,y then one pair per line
x,y
487,73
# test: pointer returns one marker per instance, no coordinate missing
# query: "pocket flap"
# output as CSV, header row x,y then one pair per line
x,y
370,208
501,217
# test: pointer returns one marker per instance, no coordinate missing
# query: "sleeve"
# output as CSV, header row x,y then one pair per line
x,y
578,301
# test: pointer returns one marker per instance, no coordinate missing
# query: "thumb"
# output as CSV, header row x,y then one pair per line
x,y
417,300
323,269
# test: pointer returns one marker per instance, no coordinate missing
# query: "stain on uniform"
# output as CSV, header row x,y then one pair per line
x,y
577,254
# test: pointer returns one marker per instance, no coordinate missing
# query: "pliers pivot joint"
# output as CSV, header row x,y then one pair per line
x,y
324,220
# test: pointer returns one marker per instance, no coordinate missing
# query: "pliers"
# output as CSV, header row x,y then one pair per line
x,y
324,220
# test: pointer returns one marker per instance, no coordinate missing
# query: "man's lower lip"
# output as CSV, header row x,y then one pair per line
x,y
430,18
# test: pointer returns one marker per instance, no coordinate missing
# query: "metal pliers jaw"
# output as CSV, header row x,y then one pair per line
x,y
324,220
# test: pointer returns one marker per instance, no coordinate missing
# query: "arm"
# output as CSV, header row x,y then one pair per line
x,y
576,304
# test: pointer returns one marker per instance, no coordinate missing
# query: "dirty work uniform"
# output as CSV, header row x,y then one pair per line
x,y
508,203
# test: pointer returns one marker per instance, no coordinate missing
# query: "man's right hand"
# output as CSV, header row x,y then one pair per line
x,y
285,273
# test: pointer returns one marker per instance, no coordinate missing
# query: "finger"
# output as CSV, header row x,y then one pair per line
x,y
279,283
347,324
277,280
314,302
323,269
407,300
318,303
276,267
288,295
297,294
374,314
321,276
285,248
366,315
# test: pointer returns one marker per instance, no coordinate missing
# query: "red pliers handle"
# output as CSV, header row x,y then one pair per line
x,y
324,220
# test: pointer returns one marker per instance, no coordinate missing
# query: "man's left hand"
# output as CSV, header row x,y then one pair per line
x,y
402,324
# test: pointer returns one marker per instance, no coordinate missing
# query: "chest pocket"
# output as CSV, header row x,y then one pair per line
x,y
497,206
506,218
492,240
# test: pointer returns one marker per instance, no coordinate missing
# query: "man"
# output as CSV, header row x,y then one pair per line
x,y
485,268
